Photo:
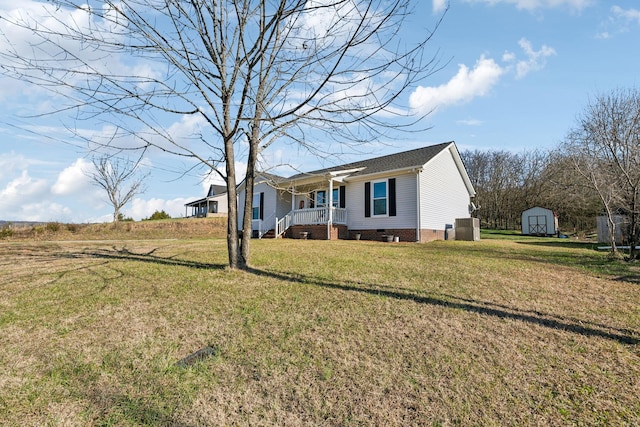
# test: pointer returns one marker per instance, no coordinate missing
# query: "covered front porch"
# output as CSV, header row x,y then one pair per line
x,y
319,223
307,205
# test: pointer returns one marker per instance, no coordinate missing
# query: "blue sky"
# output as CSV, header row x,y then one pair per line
x,y
515,75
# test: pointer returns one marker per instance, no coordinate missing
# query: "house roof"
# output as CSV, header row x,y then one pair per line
x,y
404,160
214,191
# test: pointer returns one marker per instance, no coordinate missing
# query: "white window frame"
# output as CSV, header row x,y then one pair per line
x,y
324,202
255,205
386,198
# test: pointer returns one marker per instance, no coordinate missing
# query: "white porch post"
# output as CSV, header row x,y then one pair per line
x,y
330,208
293,197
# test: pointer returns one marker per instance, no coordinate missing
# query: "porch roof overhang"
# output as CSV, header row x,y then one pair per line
x,y
310,179
345,176
204,200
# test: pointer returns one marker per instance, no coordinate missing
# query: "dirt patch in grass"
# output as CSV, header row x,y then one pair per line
x,y
318,333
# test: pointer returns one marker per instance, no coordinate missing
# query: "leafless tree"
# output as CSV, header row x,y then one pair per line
x,y
502,180
568,194
507,183
248,71
120,178
605,146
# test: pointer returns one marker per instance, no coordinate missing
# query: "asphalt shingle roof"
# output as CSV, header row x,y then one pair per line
x,y
403,160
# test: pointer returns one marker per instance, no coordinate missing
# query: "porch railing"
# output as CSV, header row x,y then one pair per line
x,y
283,224
301,217
340,216
263,226
318,216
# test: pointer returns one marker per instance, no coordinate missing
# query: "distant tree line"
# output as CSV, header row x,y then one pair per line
x,y
594,171
508,183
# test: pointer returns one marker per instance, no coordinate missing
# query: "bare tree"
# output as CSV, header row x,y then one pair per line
x,y
119,178
568,193
249,72
605,147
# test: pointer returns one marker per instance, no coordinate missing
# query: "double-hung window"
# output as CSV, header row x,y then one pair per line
x,y
256,206
380,198
335,197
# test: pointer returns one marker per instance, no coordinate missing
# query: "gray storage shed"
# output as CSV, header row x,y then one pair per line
x,y
539,221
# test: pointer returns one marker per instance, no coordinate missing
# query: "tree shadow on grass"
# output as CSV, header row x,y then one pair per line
x,y
590,260
576,326
148,257
472,306
562,243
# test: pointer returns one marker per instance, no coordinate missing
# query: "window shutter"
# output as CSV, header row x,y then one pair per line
x,y
343,194
367,199
392,197
262,206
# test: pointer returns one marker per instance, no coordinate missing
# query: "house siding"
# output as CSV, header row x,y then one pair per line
x,y
223,203
274,204
406,214
443,195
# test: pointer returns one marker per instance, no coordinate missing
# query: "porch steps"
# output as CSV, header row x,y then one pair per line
x,y
271,234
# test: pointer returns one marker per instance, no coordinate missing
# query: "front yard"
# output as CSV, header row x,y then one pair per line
x,y
496,332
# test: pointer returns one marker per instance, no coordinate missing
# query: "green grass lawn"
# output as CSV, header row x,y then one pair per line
x,y
518,331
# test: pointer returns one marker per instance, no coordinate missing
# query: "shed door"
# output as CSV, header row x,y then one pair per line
x,y
538,224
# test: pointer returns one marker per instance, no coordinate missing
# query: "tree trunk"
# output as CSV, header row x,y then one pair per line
x,y
232,199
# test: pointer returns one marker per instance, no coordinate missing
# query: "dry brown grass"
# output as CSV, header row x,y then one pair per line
x,y
319,333
182,228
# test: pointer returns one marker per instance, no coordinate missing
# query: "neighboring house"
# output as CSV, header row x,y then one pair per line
x,y
538,221
415,196
214,204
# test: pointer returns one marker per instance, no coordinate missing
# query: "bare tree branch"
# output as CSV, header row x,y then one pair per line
x,y
244,73
119,178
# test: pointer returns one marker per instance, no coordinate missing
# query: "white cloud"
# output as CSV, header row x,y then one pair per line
x,y
532,5
141,208
463,87
468,84
73,179
9,162
20,192
439,5
619,21
536,60
470,122
61,33
627,14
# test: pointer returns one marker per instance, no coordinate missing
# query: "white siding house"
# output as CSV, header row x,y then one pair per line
x,y
444,194
213,204
414,196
